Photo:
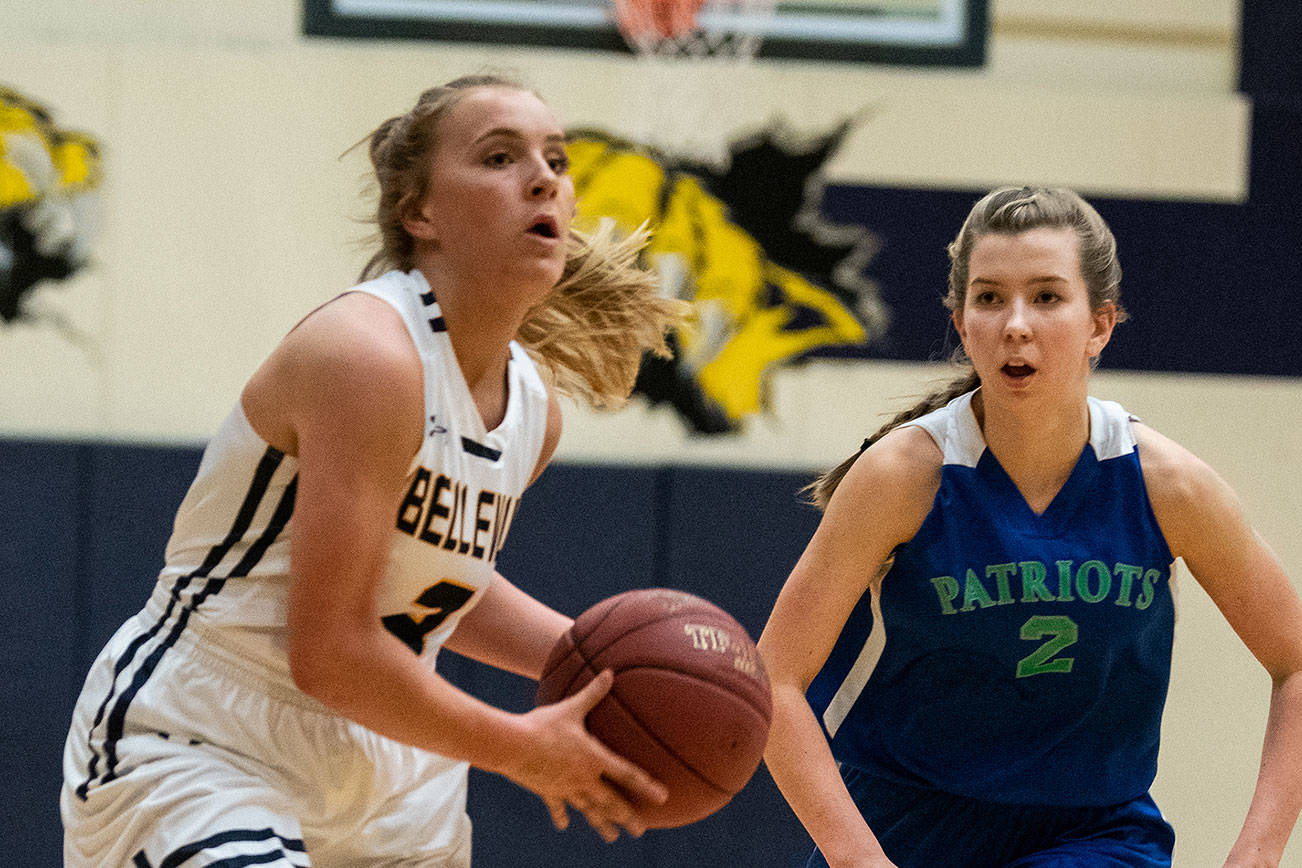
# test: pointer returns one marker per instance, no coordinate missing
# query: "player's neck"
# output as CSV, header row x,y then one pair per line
x,y
481,321
483,360
1038,447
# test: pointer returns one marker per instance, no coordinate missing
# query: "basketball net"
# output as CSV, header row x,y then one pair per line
x,y
684,79
689,89
720,29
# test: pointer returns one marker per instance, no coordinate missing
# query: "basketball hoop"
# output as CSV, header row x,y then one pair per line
x,y
721,29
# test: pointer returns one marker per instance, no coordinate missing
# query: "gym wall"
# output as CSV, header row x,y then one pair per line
x,y
228,212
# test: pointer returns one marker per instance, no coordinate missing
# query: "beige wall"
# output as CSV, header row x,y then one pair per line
x,y
227,213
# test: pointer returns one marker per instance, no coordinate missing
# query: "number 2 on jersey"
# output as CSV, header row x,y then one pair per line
x,y
1040,661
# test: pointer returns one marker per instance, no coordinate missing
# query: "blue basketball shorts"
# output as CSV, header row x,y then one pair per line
x,y
924,828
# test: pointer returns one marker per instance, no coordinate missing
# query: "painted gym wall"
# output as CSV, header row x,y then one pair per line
x,y
228,212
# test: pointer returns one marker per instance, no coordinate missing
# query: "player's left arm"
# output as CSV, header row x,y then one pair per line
x,y
1204,524
508,628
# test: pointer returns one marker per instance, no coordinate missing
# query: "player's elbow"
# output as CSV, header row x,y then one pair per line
x,y
307,669
317,666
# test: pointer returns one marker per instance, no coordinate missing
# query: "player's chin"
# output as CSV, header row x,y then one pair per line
x,y
540,274
552,272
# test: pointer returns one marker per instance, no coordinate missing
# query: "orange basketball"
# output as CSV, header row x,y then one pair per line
x,y
690,703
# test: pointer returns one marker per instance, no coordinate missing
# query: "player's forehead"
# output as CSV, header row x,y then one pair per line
x,y
499,111
1042,251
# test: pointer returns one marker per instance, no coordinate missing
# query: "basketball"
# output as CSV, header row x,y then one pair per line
x,y
690,703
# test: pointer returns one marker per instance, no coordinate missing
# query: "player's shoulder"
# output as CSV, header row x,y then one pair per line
x,y
908,449
348,369
356,336
353,356
898,475
1186,493
1170,470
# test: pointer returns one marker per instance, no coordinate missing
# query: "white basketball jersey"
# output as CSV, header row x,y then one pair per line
x,y
227,563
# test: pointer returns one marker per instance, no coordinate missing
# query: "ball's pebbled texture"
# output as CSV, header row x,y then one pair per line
x,y
690,703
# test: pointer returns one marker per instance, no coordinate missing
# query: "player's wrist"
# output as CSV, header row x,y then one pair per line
x,y
854,851
504,744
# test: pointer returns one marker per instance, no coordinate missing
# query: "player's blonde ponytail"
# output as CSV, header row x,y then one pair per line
x,y
606,311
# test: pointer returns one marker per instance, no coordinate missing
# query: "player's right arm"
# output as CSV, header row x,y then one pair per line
x,y
879,505
344,393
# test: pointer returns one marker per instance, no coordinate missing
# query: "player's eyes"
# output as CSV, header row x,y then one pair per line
x,y
497,158
560,163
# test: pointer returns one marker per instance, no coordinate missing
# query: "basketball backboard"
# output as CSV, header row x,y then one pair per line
x,y
912,32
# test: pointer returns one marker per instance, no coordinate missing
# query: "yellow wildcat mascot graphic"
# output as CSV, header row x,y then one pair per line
x,y
752,314
48,179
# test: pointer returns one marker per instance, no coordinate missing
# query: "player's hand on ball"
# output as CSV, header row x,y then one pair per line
x,y
567,765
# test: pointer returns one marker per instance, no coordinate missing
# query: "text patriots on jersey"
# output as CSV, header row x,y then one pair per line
x,y
1025,581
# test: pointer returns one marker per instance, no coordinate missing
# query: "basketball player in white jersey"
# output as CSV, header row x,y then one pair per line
x,y
276,701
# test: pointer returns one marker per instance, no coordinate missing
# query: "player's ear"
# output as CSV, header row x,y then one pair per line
x,y
1105,320
414,212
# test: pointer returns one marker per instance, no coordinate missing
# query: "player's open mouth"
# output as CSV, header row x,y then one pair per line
x,y
545,228
1018,372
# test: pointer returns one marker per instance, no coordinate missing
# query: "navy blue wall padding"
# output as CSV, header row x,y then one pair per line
x,y
584,529
1212,287
41,500
86,526
133,493
1270,57
734,535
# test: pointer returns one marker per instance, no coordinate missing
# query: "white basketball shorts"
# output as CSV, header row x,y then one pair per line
x,y
181,755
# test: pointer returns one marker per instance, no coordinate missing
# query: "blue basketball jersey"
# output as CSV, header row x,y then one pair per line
x,y
1009,656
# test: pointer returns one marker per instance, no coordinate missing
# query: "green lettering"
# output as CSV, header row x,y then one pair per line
x,y
1033,583
1147,592
1128,574
1042,660
1001,572
975,592
1083,581
1064,581
947,590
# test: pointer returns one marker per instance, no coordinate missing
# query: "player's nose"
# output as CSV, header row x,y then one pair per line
x,y
544,182
1017,326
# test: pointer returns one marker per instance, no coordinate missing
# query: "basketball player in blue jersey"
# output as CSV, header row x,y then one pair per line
x,y
970,659
276,701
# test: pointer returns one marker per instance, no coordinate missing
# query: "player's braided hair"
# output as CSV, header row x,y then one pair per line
x,y
591,331
1008,210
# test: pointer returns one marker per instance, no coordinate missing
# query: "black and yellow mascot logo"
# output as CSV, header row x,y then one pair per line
x,y
770,281
48,179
